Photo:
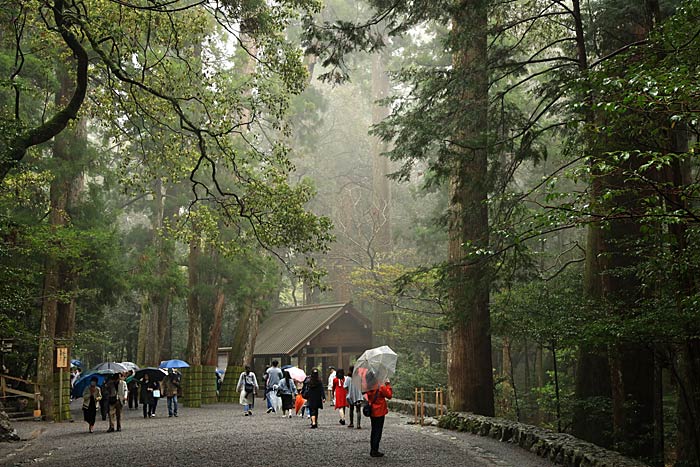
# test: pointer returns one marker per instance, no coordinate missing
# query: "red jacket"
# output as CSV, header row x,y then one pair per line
x,y
378,403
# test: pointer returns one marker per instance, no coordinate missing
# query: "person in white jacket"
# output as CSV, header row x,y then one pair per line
x,y
331,377
247,386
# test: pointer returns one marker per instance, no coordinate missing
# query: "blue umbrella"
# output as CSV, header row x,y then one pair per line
x,y
174,364
285,367
76,363
84,381
220,372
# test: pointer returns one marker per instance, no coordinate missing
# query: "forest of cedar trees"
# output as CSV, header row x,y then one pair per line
x,y
509,189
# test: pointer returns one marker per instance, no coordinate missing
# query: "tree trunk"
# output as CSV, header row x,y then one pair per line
x,y
211,354
528,376
540,378
163,328
592,384
688,408
381,191
47,332
58,302
507,370
632,365
143,332
194,314
152,347
592,381
687,374
469,362
253,326
236,356
157,306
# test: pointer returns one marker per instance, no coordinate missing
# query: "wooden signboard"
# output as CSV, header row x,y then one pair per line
x,y
62,357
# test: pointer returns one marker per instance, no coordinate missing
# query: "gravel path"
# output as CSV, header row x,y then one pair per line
x,y
220,435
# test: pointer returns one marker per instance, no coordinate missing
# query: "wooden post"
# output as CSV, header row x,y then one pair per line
x,y
60,394
61,363
436,403
415,405
442,401
442,410
422,406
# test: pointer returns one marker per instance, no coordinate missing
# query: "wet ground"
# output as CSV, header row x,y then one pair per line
x,y
219,435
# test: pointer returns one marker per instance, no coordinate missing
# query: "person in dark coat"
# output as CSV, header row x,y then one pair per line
x,y
91,398
133,387
315,395
146,388
104,408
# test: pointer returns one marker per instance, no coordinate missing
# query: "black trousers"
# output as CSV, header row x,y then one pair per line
x,y
104,408
355,408
376,436
134,399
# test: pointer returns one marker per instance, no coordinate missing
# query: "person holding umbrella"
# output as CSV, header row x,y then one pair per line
x,y
104,408
146,389
117,396
133,387
376,398
91,398
371,376
171,385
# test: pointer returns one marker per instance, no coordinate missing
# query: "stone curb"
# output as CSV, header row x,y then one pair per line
x,y
560,448
7,431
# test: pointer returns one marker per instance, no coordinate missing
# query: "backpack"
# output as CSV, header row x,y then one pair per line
x,y
248,387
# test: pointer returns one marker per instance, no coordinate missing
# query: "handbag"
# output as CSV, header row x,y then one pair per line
x,y
367,408
156,393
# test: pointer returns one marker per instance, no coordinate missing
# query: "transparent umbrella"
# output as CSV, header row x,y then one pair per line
x,y
374,367
130,366
114,367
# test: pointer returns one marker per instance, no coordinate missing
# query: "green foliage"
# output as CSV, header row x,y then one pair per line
x,y
411,373
551,313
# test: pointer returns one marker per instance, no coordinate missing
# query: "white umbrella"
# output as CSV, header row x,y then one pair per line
x,y
112,367
297,374
130,366
374,367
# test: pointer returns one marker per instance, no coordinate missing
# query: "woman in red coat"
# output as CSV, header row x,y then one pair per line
x,y
378,407
341,394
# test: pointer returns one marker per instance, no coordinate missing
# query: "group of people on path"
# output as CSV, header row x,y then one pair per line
x,y
283,394
115,393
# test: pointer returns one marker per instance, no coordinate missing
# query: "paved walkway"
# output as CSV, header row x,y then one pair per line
x,y
220,435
